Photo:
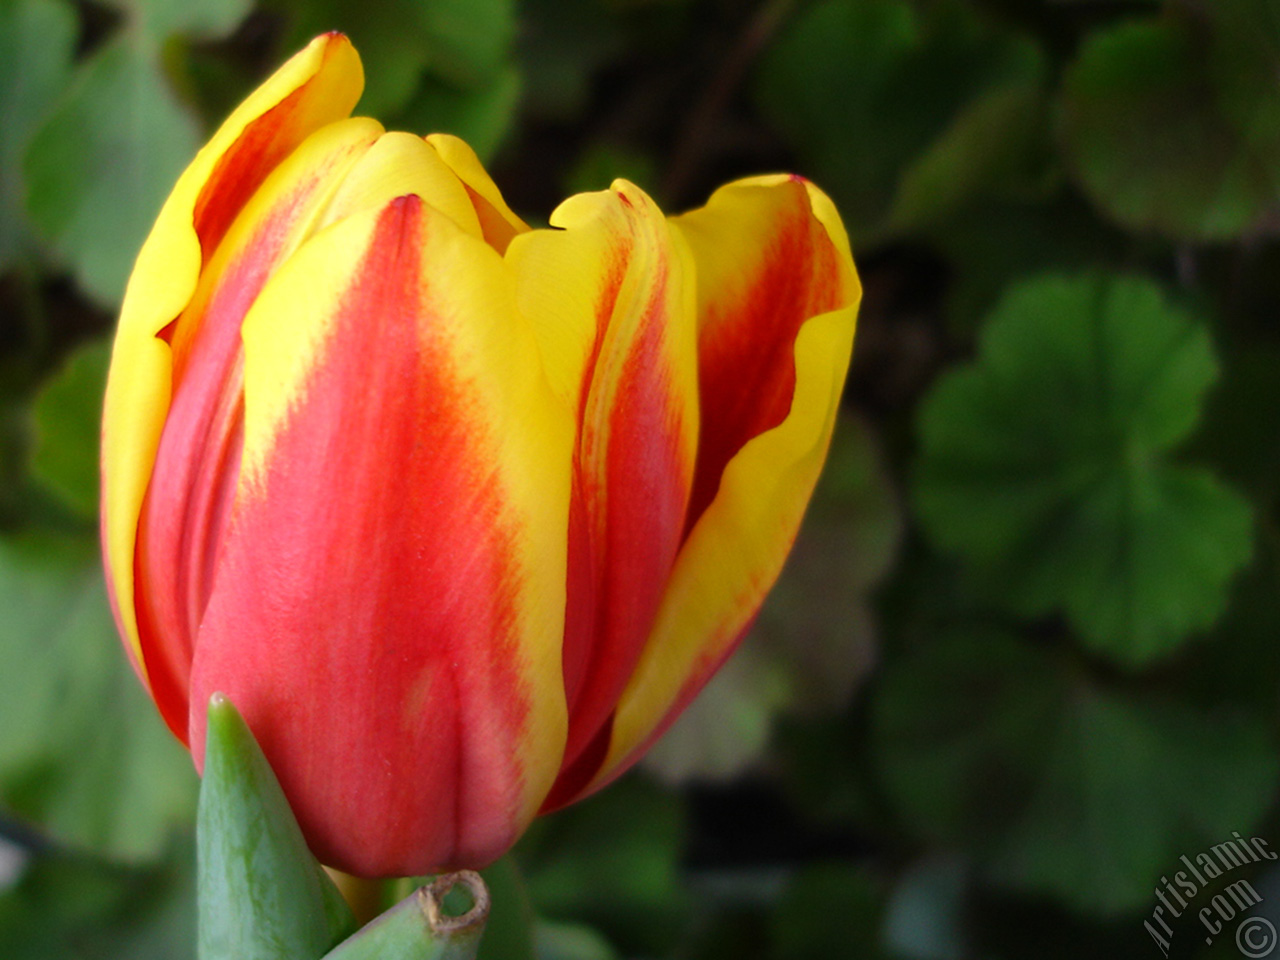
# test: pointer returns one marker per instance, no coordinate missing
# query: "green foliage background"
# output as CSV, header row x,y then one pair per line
x,y
1025,656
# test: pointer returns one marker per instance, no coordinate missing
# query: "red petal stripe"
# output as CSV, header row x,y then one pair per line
x,y
365,601
629,497
746,361
187,505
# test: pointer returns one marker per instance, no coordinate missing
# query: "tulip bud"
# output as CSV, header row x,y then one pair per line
x,y
458,513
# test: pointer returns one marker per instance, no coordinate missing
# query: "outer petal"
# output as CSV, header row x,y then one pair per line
x,y
613,302
496,218
317,86
395,645
187,503
341,168
777,302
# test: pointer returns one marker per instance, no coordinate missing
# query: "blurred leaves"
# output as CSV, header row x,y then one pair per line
x,y
561,44
818,621
987,147
925,914
509,933
1112,807
160,19
565,941
1044,464
461,43
102,163
904,111
481,115
1168,130
82,752
828,910
100,167
571,863
73,907
37,39
67,417
600,164
1057,784
993,245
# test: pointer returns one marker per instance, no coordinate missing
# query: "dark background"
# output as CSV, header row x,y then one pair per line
x,y
1025,655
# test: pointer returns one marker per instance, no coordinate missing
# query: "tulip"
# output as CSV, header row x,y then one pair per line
x,y
458,513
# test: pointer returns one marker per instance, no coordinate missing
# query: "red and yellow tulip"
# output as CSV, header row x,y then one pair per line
x,y
460,514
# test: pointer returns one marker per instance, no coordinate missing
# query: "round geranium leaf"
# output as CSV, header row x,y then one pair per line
x,y
1045,464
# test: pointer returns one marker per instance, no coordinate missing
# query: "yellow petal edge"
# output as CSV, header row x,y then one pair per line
x,y
163,281
736,550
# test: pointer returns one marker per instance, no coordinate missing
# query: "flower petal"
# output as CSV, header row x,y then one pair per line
x,y
611,298
413,618
777,303
496,218
317,86
186,507
400,164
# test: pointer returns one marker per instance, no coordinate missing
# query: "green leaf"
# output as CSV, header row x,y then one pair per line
x,y
1148,139
471,39
992,143
862,88
568,941
1244,56
561,45
420,928
99,168
37,41
1057,785
82,752
66,906
482,115
508,935
1044,465
262,896
160,19
972,710
68,418
98,171
612,861
829,910
1116,778
463,43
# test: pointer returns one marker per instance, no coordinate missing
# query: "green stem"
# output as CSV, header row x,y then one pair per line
x,y
419,927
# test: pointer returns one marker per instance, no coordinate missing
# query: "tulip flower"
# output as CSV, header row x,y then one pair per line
x,y
458,513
